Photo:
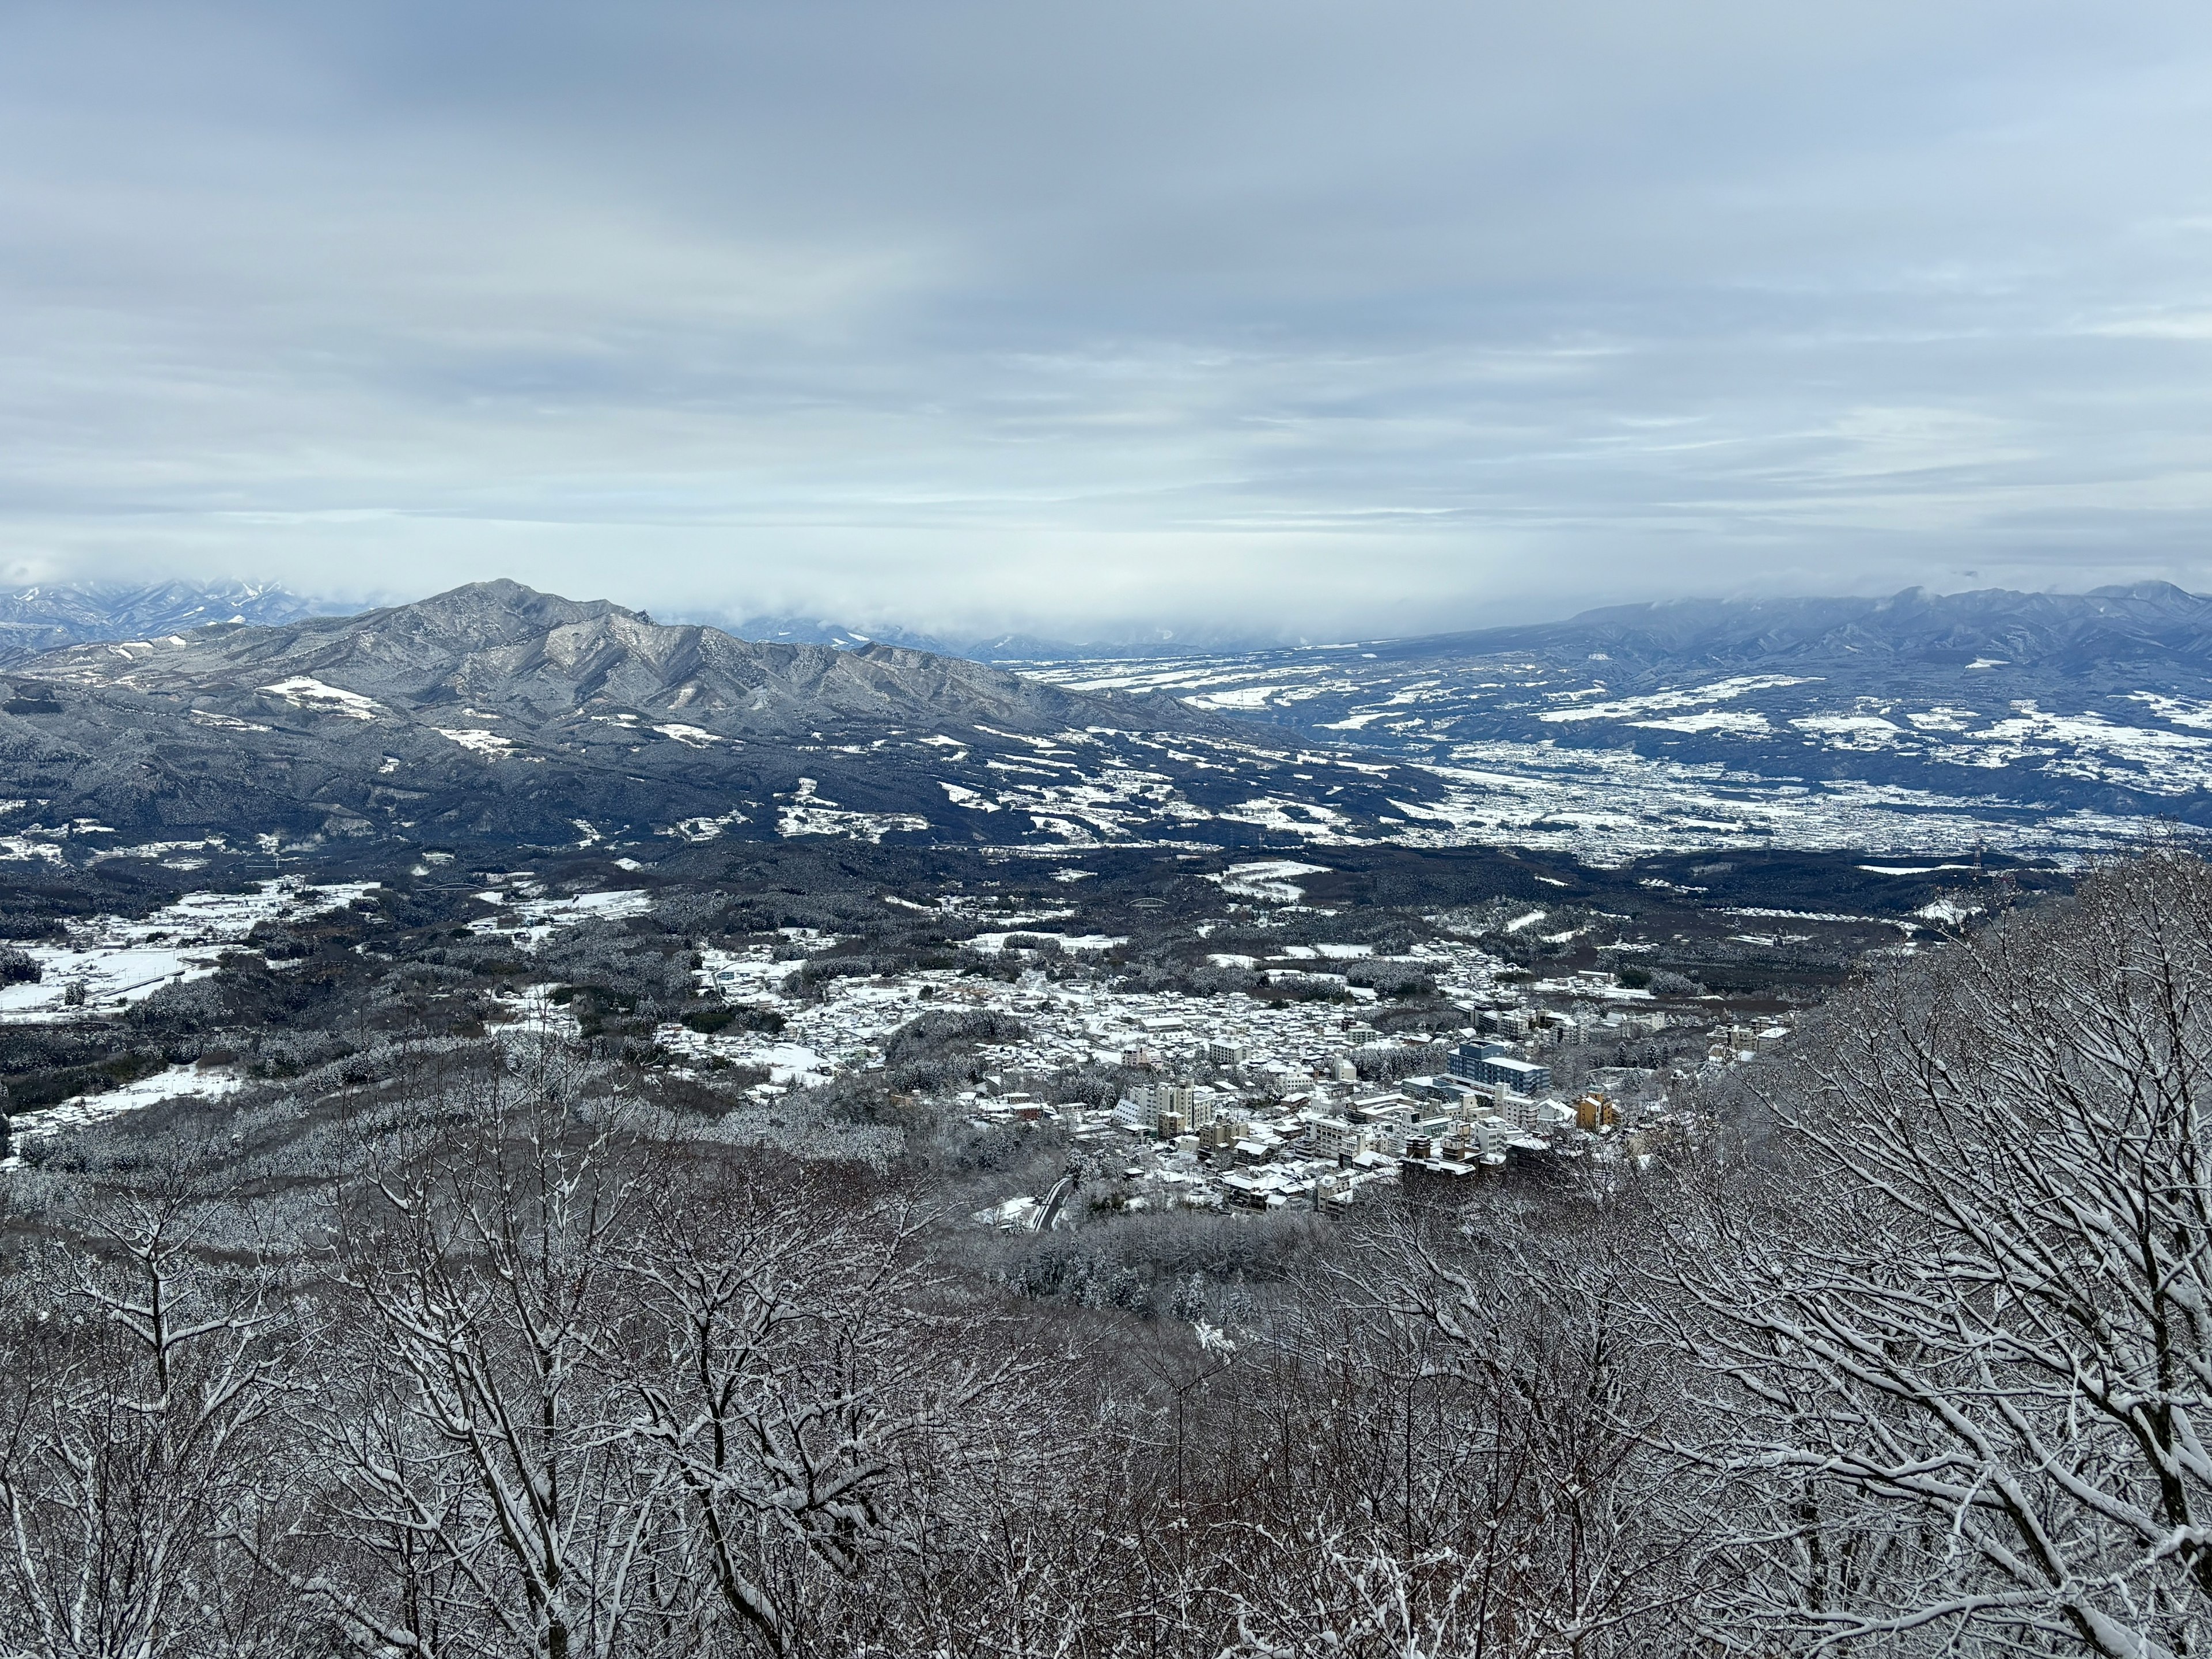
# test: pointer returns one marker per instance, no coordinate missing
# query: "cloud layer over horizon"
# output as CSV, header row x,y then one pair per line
x,y
975,315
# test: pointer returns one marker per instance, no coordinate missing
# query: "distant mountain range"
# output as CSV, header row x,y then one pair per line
x,y
535,656
801,630
2145,622
998,647
53,615
494,715
497,714
2050,720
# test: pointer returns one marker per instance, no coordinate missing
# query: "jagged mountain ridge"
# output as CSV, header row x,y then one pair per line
x,y
493,713
2145,621
501,646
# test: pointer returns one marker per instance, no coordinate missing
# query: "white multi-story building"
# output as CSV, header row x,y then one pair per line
x,y
1175,1108
1333,1137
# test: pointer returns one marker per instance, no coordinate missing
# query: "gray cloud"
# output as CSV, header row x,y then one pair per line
x,y
1331,317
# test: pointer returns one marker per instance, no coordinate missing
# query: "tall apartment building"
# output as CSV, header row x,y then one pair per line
x,y
1184,1104
1491,1062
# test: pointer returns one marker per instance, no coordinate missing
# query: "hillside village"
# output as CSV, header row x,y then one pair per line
x,y
1302,1091
1227,1102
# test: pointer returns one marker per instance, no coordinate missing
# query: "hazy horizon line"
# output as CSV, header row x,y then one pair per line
x,y
1211,633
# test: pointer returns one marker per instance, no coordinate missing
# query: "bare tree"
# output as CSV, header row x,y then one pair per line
x,y
1956,1315
829,1410
480,1489
1465,1461
142,1378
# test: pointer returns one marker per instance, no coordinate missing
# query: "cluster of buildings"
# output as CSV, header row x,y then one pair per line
x,y
1228,1143
1225,1121
1242,1103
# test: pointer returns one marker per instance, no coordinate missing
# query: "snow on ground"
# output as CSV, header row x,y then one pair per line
x,y
1309,822
811,813
1718,691
111,978
697,737
704,829
1606,803
741,975
1948,913
530,1011
1067,1024
1863,733
792,1065
178,1082
1589,791
119,961
225,722
2180,711
1072,942
1270,879
531,921
1242,697
1738,722
1610,806
490,745
173,854
303,692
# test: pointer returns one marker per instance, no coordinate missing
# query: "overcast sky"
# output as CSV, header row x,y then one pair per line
x,y
1332,318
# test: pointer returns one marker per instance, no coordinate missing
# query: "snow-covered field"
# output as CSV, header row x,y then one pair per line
x,y
528,918
1551,756
1608,806
1268,878
2145,740
176,1082
1603,803
118,960
811,813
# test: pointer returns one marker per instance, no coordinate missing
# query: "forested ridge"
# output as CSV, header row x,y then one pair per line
x,y
1909,1356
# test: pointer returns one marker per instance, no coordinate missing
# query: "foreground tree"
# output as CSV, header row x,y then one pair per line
x,y
819,1396
585,1391
141,1383
1955,1318
1460,1421
467,1481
